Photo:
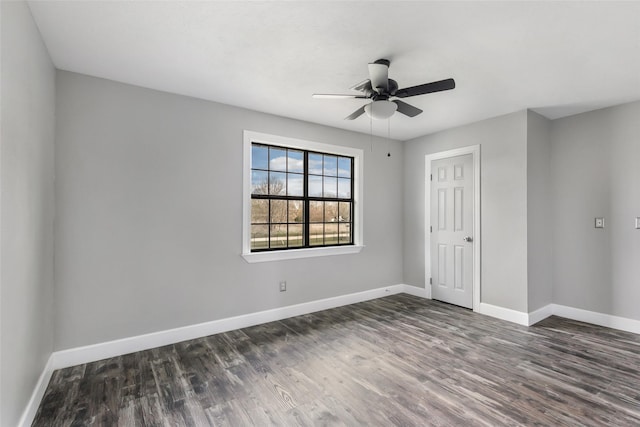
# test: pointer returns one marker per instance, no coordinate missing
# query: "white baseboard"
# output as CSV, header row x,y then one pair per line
x,y
36,397
504,313
417,291
595,318
600,319
91,353
540,314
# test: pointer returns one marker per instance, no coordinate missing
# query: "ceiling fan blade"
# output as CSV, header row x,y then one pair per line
x,y
406,109
355,114
379,76
361,86
336,96
438,86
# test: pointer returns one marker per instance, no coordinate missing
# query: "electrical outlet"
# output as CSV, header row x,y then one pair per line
x,y
599,223
638,222
283,286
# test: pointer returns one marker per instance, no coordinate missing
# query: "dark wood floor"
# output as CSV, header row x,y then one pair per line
x,y
399,360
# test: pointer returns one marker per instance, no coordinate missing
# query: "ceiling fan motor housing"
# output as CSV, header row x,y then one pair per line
x,y
383,62
393,87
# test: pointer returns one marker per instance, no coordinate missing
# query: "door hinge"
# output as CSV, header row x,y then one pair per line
x,y
431,177
430,281
431,229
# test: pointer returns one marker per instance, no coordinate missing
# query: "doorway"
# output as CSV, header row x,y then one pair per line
x,y
452,219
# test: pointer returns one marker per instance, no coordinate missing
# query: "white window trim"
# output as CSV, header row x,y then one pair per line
x,y
357,154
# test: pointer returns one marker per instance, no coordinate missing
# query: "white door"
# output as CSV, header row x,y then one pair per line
x,y
452,230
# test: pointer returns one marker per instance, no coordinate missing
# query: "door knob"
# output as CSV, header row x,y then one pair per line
x,y
468,239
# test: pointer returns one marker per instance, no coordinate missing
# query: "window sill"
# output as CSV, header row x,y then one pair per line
x,y
253,257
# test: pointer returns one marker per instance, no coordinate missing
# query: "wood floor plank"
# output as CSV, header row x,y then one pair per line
x,y
399,360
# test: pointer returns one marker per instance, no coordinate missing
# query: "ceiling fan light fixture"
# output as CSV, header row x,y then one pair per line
x,y
380,110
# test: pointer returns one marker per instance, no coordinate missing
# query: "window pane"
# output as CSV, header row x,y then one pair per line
x,y
296,211
315,164
344,188
344,214
330,234
315,186
316,211
344,167
295,235
290,178
259,237
259,211
331,211
316,232
330,186
278,211
278,236
277,159
259,182
295,184
277,183
259,154
331,165
344,229
295,162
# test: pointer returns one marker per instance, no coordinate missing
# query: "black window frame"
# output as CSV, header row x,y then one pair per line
x,y
306,201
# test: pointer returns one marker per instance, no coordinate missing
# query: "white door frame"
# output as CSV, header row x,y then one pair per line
x,y
474,150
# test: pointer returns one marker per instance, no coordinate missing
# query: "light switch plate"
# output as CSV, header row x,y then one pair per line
x,y
599,222
638,222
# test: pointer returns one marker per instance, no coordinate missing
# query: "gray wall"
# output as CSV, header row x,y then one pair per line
x,y
503,205
148,219
27,208
539,213
595,173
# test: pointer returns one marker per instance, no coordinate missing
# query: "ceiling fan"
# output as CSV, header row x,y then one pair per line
x,y
379,88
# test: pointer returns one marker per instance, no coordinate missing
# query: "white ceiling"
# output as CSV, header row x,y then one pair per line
x,y
558,58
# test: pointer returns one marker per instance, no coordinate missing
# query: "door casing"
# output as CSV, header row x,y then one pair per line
x,y
474,150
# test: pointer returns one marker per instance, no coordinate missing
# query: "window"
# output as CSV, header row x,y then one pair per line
x,y
301,198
